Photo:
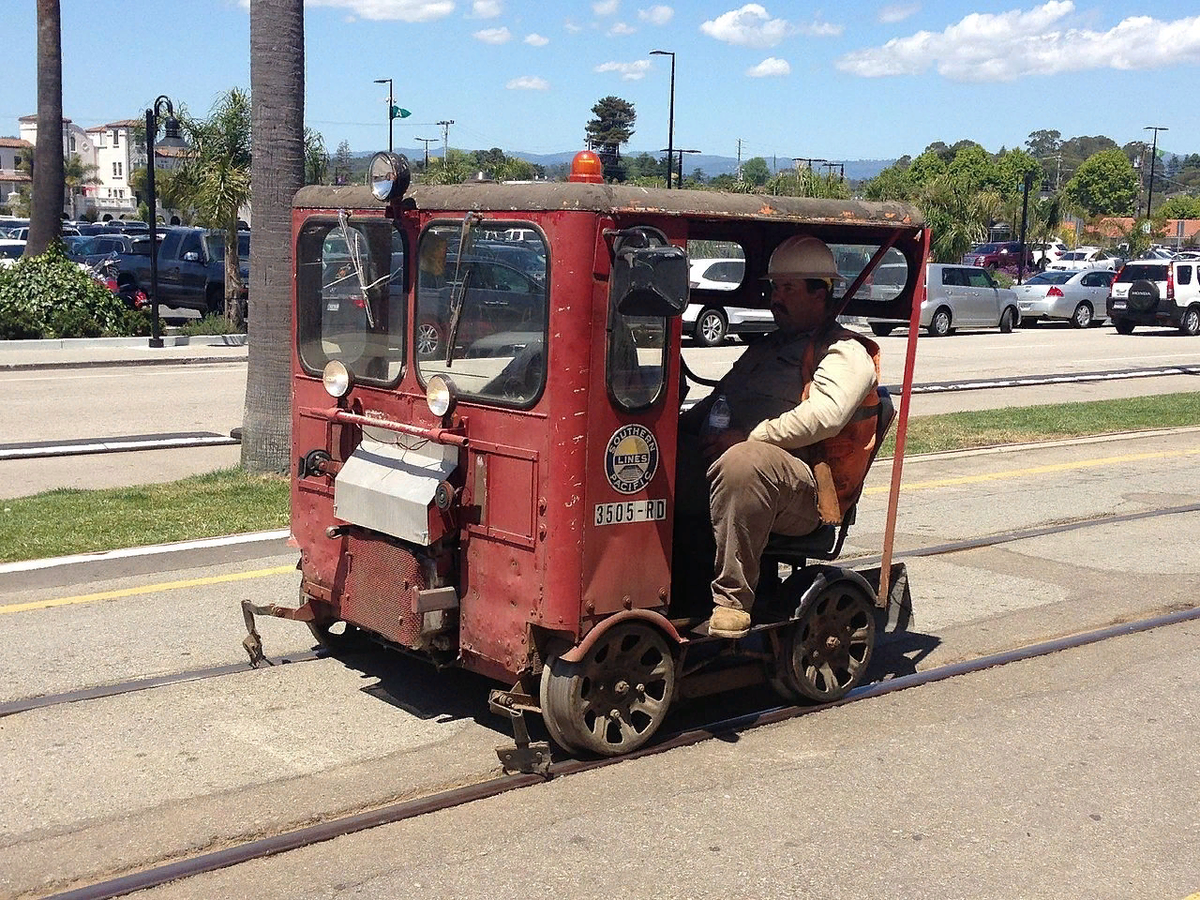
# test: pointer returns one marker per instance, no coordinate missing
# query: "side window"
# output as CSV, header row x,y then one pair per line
x,y
1183,274
951,278
979,278
192,244
170,245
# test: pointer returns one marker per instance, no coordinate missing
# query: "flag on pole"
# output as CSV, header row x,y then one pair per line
x,y
398,113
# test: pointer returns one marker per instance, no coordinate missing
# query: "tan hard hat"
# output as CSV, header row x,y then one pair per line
x,y
803,257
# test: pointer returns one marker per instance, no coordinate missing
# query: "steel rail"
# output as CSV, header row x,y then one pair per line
x,y
13,707
126,687
409,809
1021,534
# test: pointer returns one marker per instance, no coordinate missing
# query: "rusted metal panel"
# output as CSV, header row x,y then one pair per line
x,y
618,199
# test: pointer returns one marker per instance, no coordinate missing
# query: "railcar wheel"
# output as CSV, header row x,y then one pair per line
x,y
825,654
616,697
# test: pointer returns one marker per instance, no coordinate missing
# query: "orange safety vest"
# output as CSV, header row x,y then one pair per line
x,y
840,463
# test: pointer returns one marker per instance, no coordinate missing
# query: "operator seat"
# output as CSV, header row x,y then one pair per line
x,y
826,541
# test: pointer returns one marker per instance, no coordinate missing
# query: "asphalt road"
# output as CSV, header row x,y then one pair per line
x,y
108,401
1001,775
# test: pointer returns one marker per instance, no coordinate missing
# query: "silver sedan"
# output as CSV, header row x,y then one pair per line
x,y
1076,297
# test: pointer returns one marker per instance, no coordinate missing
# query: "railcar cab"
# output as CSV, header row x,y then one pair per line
x,y
486,393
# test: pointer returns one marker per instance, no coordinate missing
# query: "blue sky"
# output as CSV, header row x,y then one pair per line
x,y
847,80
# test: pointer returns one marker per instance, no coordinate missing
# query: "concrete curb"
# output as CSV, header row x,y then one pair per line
x,y
169,340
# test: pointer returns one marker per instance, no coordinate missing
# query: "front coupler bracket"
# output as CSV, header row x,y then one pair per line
x,y
525,757
253,640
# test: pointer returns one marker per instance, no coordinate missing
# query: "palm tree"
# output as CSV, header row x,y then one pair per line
x,y
217,170
45,223
957,217
277,83
76,175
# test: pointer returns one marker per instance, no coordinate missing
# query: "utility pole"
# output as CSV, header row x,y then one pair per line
x,y
739,168
426,142
1153,152
445,123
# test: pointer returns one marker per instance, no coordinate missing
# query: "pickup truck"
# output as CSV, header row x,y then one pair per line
x,y
191,268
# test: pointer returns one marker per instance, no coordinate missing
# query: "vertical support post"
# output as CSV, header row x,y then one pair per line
x,y
152,201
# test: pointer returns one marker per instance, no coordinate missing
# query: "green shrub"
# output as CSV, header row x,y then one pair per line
x,y
210,324
49,296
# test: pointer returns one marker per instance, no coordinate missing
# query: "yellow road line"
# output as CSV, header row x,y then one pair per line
x,y
145,589
1034,470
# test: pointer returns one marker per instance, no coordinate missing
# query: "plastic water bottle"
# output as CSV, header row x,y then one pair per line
x,y
719,417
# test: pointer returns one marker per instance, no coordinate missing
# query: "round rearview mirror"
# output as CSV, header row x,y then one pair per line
x,y
389,176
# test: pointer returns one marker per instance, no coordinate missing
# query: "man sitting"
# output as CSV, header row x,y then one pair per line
x,y
801,406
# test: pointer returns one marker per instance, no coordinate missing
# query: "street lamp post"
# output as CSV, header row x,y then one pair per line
x,y
171,138
1153,152
391,106
670,115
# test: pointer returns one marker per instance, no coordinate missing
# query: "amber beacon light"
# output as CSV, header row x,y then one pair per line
x,y
586,168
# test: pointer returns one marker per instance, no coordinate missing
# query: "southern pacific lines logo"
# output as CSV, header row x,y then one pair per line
x,y
631,458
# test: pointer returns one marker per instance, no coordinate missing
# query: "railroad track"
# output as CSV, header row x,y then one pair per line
x,y
191,440
398,812
97,692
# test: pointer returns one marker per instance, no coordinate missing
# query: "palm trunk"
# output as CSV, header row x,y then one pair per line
x,y
277,172
233,277
45,221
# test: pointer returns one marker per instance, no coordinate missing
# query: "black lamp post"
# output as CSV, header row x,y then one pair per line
x,y
171,138
1153,152
391,106
670,115
1027,185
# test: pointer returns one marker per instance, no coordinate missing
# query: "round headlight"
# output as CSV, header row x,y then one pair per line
x,y
389,176
337,379
440,395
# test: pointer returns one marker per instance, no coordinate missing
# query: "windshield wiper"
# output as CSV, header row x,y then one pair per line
x,y
458,290
355,252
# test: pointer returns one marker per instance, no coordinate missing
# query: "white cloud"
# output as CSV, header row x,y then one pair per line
x,y
749,26
486,9
1046,40
817,28
402,10
656,15
605,7
621,29
528,83
493,35
571,27
898,12
770,68
633,71
536,40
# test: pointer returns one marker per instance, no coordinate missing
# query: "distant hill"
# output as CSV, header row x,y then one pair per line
x,y
856,169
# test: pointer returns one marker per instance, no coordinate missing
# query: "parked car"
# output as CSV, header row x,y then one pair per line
x,y
1084,258
1076,297
497,297
708,320
10,251
959,297
998,255
1048,252
1156,292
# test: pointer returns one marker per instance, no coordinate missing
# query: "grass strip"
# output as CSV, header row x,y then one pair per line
x,y
62,522
1059,421
66,521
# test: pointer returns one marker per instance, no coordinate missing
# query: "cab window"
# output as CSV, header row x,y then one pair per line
x,y
350,300
482,308
636,354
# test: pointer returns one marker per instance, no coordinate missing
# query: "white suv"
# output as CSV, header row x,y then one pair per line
x,y
1156,291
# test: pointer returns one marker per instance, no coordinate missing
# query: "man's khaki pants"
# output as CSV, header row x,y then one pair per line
x,y
755,488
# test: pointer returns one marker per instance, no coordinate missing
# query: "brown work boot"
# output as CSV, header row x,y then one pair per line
x,y
727,622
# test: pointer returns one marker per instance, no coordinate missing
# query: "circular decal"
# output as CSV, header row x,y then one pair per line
x,y
631,458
